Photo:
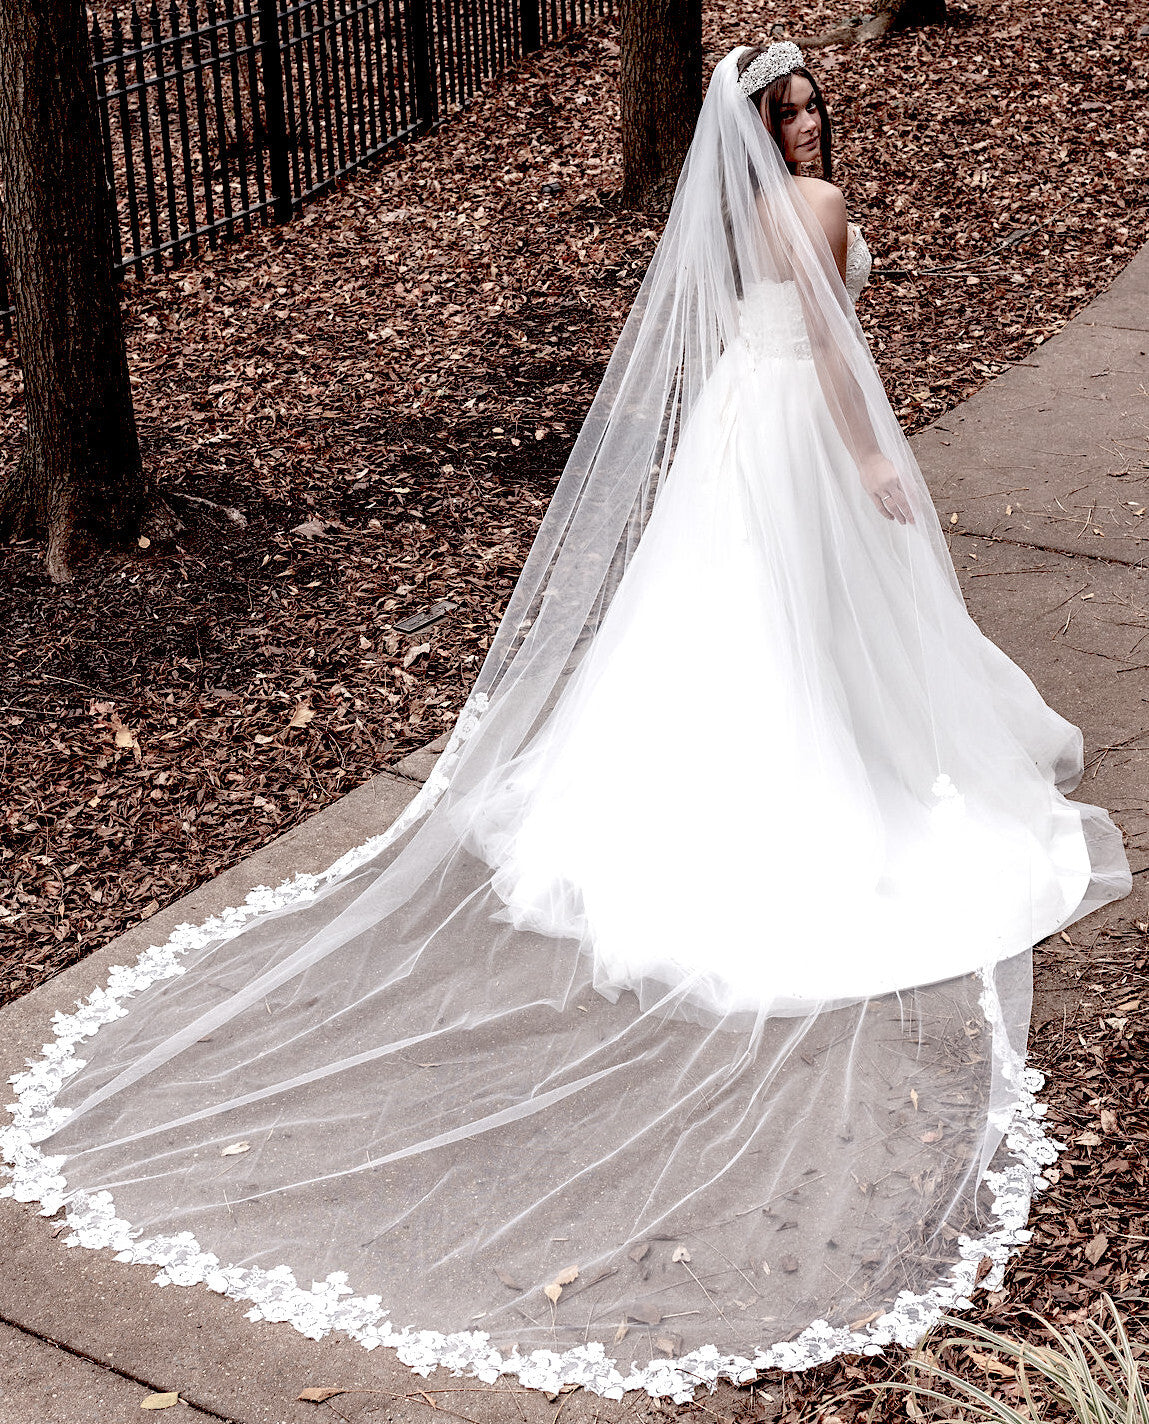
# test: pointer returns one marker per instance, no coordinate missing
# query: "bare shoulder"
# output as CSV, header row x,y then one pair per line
x,y
825,198
829,207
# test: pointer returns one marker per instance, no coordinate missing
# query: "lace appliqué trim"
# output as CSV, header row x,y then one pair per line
x,y
859,263
331,1304
772,325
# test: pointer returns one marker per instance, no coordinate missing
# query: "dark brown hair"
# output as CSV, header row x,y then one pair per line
x,y
775,93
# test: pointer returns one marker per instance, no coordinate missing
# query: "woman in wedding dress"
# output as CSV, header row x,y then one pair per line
x,y
779,562
677,1030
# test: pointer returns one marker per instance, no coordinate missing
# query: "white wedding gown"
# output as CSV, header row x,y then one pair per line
x,y
770,782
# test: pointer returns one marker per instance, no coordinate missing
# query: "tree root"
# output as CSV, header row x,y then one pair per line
x,y
22,516
73,530
57,557
892,15
236,516
19,516
871,29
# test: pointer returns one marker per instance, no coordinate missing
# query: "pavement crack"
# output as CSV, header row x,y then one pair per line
x,y
147,1384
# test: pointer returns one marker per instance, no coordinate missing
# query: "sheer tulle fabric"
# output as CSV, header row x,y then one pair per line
x,y
703,965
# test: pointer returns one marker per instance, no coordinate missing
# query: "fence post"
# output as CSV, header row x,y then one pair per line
x,y
530,31
274,113
423,65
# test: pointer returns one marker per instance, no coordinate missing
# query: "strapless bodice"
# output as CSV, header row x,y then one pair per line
x,y
771,322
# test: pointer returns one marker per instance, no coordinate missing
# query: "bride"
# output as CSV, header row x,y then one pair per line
x,y
677,1030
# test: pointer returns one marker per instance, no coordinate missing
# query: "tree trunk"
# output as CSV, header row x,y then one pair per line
x,y
884,16
661,92
79,480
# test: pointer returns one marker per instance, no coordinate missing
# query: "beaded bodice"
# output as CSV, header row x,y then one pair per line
x,y
771,321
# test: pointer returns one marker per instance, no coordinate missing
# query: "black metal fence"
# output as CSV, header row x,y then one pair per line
x,y
239,112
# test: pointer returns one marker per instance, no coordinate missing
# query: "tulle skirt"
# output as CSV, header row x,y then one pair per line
x,y
790,771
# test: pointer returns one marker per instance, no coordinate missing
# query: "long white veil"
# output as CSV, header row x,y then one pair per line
x,y
487,1145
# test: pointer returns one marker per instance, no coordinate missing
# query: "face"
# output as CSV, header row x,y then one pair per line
x,y
801,136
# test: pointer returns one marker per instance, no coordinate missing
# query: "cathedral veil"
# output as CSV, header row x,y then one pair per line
x,y
490,1144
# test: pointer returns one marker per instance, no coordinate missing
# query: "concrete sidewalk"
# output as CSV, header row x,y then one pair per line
x,y
1046,470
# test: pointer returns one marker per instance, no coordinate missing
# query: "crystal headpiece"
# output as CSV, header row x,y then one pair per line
x,y
774,61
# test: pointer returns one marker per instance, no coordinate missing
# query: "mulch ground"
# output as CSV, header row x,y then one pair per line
x,y
385,391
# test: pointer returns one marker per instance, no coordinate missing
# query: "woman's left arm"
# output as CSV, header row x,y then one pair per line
x,y
843,394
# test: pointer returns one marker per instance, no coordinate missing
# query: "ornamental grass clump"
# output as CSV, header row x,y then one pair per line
x,y
1092,1374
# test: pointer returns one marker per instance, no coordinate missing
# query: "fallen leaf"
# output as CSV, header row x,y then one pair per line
x,y
565,1277
1108,1120
1097,1248
914,1098
235,1149
416,652
144,542
789,1264
934,1136
301,716
644,1313
984,1266
160,1401
665,1344
123,736
508,1280
1088,1139
680,1254
636,1253
552,1292
622,1332
992,1365
320,1393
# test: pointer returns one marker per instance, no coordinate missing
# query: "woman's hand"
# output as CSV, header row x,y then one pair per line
x,y
880,481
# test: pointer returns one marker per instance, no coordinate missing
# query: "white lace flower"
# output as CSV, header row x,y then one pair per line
x,y
948,810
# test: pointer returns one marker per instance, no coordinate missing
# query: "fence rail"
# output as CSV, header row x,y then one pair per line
x,y
230,113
